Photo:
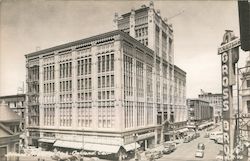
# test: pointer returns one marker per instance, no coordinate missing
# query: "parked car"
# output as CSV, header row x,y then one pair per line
x,y
215,135
206,135
201,146
219,140
169,148
186,139
157,154
199,153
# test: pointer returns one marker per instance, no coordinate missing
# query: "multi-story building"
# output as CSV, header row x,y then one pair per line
x,y
200,111
215,100
108,91
245,104
101,86
180,110
9,131
17,104
147,26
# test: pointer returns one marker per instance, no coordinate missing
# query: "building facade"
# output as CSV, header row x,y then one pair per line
x,y
148,27
9,131
199,111
245,104
180,110
101,87
214,100
108,91
17,104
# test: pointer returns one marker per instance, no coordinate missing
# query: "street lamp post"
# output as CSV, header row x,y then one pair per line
x,y
135,138
82,155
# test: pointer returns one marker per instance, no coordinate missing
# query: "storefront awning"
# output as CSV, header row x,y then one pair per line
x,y
68,144
87,146
131,146
46,140
102,148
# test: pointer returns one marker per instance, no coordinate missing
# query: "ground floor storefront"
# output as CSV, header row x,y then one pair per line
x,y
103,145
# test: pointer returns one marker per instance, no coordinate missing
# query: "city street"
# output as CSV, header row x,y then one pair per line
x,y
186,151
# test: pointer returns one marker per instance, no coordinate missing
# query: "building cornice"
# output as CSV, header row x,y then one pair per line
x,y
90,40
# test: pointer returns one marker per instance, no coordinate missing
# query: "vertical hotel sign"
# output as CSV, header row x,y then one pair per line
x,y
229,56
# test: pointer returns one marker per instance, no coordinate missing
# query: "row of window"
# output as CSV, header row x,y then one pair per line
x,y
84,83
66,97
140,114
141,32
65,70
149,83
102,95
139,79
49,72
106,115
49,87
65,113
65,85
84,66
106,81
140,109
105,63
83,96
49,115
84,112
33,73
128,76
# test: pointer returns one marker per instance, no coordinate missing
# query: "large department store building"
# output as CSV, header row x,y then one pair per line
x,y
105,92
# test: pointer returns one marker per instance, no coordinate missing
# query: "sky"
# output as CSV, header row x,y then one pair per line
x,y
198,31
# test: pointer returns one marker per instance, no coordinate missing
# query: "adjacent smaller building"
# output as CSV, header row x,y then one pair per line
x,y
245,106
215,100
17,104
199,112
9,131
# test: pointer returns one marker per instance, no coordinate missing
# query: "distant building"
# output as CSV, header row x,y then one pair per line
x,y
17,104
215,100
199,111
9,131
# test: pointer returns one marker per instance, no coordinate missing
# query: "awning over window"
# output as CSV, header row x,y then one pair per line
x,y
68,144
46,140
102,147
131,146
88,146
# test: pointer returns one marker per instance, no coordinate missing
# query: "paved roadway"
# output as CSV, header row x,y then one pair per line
x,y
186,151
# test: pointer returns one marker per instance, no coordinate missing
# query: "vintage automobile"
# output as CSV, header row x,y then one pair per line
x,y
155,154
201,146
199,153
169,148
219,140
186,139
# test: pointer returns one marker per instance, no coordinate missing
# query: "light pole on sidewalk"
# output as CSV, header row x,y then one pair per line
x,y
135,138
